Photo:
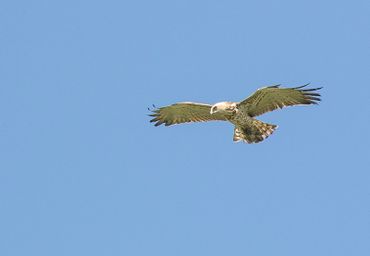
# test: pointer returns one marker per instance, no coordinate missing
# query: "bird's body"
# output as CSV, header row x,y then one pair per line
x,y
249,129
241,114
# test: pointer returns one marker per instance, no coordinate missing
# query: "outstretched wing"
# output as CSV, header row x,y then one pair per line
x,y
270,98
184,112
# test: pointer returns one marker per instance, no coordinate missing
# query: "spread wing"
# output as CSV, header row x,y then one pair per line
x,y
270,98
184,112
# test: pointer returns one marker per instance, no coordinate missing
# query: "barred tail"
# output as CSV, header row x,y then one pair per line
x,y
256,131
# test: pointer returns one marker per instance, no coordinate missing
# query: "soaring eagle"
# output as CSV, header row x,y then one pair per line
x,y
241,114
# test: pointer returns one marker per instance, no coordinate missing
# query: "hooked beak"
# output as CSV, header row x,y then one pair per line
x,y
213,110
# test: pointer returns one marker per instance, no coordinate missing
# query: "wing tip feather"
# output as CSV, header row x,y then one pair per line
x,y
302,86
310,95
155,113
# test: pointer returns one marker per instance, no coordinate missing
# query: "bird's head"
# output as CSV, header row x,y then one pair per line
x,y
223,107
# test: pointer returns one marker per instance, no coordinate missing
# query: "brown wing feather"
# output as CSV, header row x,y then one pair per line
x,y
270,98
184,112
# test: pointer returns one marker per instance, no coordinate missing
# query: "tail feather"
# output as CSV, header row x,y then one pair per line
x,y
256,131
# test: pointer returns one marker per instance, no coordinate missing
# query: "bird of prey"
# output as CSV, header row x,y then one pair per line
x,y
240,114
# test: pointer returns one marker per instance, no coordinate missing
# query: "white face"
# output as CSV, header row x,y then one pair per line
x,y
223,107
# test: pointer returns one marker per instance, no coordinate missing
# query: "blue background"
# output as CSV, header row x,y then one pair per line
x,y
83,172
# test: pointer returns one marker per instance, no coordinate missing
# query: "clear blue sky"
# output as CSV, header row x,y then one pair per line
x,y
83,172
